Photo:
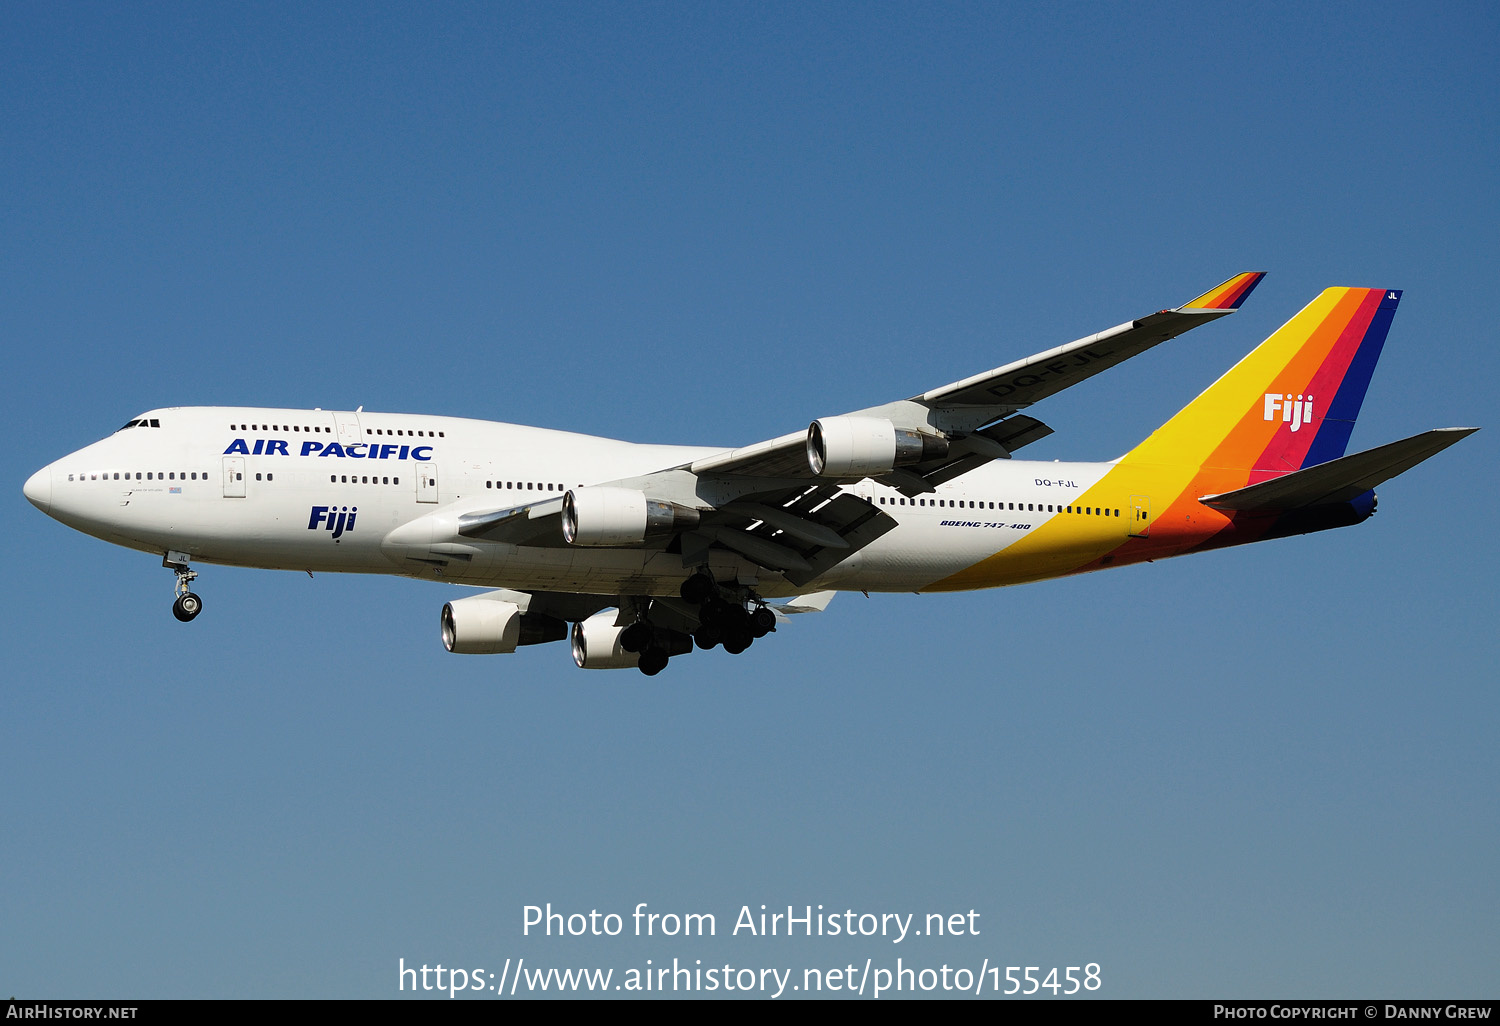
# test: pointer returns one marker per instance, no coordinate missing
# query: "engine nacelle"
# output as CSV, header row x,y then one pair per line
x,y
603,515
596,644
481,625
857,447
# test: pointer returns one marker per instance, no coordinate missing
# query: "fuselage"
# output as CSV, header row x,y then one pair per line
x,y
362,492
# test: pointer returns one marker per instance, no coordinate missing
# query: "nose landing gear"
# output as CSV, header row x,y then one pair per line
x,y
187,605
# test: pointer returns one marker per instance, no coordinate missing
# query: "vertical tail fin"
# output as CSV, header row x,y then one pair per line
x,y
1290,403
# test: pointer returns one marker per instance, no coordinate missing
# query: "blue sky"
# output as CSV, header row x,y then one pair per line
x,y
1262,772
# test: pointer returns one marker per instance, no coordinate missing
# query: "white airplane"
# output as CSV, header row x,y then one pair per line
x,y
650,549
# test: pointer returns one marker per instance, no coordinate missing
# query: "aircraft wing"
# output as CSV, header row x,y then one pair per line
x,y
531,523
979,412
1036,377
765,503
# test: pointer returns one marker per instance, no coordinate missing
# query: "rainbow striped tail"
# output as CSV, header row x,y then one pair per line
x,y
1291,403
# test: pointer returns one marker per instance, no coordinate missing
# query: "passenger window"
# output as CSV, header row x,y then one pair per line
x,y
386,480
395,480
333,479
270,477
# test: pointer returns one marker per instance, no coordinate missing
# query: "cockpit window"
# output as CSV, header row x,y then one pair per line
x,y
141,422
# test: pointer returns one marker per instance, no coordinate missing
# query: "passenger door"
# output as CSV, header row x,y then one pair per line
x,y
427,485
1140,516
234,477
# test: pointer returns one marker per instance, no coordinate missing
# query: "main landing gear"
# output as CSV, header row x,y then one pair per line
x,y
731,615
654,646
188,605
722,621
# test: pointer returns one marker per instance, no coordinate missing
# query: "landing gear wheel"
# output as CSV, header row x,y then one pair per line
x,y
653,661
706,638
636,638
737,638
697,589
762,622
715,613
187,606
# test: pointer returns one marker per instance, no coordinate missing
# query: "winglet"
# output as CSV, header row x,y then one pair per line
x,y
1229,295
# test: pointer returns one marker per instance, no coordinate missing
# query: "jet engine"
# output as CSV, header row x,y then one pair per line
x,y
481,625
867,447
603,515
596,644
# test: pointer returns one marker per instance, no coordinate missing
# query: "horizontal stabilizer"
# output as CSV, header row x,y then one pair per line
x,y
1339,480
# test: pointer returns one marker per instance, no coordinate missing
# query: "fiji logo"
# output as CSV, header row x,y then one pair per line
x,y
337,519
1295,412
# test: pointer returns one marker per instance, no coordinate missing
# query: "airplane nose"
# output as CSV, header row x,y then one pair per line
x,y
38,489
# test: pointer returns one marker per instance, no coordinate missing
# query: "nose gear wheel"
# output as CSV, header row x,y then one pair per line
x,y
188,604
